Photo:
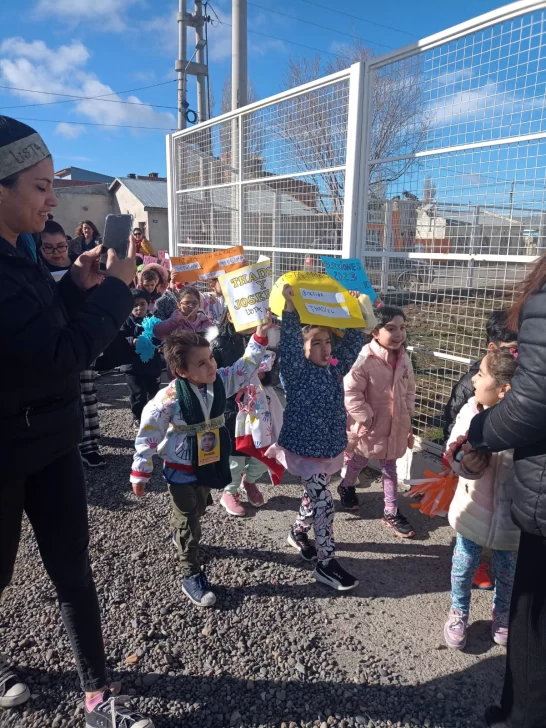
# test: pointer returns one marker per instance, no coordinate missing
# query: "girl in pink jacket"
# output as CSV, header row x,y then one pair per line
x,y
187,317
380,401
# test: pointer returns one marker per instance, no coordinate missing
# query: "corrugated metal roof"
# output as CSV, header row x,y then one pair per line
x,y
149,192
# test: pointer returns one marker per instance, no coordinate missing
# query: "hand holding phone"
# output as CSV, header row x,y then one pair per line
x,y
117,233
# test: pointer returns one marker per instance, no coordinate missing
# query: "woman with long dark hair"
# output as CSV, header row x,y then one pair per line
x,y
87,238
50,333
519,422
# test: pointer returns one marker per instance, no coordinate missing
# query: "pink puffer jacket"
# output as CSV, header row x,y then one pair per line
x,y
379,401
177,323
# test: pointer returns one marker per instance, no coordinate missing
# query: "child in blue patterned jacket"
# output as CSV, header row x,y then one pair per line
x,y
313,436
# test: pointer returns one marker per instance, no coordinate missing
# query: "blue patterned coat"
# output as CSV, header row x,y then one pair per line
x,y
315,420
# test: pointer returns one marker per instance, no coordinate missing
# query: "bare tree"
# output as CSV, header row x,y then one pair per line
x,y
314,124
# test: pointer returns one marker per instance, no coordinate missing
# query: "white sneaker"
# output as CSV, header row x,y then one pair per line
x,y
13,692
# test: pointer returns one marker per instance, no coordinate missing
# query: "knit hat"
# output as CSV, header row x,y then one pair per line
x,y
21,147
138,293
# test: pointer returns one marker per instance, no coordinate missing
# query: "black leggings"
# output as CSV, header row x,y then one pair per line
x,y
524,695
54,500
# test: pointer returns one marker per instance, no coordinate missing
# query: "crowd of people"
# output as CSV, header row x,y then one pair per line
x,y
305,399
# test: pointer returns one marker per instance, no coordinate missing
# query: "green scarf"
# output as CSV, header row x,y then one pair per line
x,y
214,475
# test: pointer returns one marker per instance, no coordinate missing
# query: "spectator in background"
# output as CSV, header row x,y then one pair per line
x,y
143,246
54,248
87,238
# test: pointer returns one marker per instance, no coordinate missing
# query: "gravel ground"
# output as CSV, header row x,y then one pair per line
x,y
279,651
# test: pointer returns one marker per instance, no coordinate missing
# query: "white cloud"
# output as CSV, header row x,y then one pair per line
x,y
69,131
107,14
36,67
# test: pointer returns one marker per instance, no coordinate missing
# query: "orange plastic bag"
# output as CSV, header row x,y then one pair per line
x,y
437,491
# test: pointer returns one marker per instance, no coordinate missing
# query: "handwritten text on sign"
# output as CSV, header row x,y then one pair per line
x,y
350,273
247,291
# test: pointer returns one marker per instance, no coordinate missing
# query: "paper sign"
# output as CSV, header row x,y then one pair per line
x,y
247,292
319,299
147,259
350,273
189,268
162,254
166,263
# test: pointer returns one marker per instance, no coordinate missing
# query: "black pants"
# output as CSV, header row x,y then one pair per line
x,y
524,695
141,389
55,502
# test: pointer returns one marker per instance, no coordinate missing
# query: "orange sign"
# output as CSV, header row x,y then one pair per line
x,y
190,268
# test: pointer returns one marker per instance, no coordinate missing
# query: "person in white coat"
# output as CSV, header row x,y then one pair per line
x,y
480,510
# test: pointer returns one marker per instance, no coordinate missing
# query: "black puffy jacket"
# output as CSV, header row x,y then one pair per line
x,y
519,420
50,333
227,348
460,394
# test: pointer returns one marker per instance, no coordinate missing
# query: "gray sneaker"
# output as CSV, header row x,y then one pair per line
x,y
499,628
455,629
13,692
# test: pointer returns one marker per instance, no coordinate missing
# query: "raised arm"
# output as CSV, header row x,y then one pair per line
x,y
239,374
291,356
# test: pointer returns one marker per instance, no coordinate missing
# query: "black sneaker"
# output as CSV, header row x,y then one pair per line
x,y
111,713
93,459
335,576
348,497
301,543
210,501
399,524
13,692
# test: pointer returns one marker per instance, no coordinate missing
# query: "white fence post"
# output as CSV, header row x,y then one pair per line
x,y
351,212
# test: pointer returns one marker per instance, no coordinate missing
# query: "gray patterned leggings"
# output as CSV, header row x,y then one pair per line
x,y
317,512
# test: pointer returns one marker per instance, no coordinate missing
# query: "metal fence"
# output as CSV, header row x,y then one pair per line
x,y
428,163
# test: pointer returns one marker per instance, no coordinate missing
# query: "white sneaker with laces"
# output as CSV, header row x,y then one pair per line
x,y
13,692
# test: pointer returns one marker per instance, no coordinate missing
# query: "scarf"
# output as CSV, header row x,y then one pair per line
x,y
214,475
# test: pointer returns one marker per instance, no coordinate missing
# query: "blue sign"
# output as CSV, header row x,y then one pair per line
x,y
350,273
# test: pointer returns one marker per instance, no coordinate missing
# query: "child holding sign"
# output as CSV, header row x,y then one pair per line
x,y
187,317
313,436
178,425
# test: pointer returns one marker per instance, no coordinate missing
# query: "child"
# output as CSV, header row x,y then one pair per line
x,y
213,302
480,510
168,303
499,336
143,378
313,436
173,425
153,279
380,401
227,347
187,317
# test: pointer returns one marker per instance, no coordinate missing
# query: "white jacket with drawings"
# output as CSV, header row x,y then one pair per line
x,y
157,436
480,509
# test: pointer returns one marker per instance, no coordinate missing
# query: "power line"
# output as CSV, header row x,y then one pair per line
x,y
274,37
91,123
72,97
357,17
317,25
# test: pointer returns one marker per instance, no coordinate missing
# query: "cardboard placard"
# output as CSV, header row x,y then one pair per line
x,y
246,292
162,254
319,299
190,268
166,263
350,273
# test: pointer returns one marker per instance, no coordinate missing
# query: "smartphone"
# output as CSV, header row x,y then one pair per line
x,y
117,231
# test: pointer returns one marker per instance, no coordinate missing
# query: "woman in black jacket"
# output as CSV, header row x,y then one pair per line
x,y
87,238
519,422
50,333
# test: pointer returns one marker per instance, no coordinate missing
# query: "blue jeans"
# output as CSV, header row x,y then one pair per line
x,y
466,559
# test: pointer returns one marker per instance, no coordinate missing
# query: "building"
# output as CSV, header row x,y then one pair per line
x,y
77,174
145,198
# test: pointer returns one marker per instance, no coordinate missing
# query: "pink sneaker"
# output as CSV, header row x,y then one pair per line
x,y
232,504
455,629
252,492
499,628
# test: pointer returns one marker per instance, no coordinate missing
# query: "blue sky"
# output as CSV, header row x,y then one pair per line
x,y
92,47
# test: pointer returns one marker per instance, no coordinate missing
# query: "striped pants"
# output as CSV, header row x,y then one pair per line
x,y
90,405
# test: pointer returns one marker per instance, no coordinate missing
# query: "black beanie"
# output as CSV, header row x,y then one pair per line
x,y
21,147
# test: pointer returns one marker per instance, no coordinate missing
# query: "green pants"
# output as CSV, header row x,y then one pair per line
x,y
240,464
189,503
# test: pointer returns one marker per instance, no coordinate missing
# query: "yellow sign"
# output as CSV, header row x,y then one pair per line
x,y
319,299
246,291
190,268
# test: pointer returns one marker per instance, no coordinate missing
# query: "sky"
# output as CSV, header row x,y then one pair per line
x,y
89,48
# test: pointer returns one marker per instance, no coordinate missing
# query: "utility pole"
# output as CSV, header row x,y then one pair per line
x,y
180,64
202,104
239,71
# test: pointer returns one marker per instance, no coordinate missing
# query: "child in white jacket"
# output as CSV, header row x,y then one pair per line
x,y
480,510
184,424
